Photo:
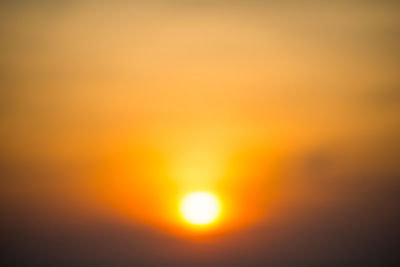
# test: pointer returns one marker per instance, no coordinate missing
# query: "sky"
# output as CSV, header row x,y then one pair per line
x,y
112,111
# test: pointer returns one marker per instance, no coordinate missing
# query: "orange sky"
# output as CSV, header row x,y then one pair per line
x,y
115,111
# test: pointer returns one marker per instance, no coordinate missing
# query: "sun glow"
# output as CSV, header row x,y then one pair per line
x,y
200,208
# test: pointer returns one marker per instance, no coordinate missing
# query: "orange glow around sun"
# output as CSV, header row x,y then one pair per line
x,y
190,181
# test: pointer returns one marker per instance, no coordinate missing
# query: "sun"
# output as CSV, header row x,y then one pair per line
x,y
200,208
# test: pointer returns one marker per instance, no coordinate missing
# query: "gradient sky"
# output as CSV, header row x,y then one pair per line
x,y
111,111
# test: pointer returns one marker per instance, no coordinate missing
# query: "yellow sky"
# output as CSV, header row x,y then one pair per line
x,y
147,101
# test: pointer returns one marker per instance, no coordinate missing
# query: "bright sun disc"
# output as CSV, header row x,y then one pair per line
x,y
200,208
